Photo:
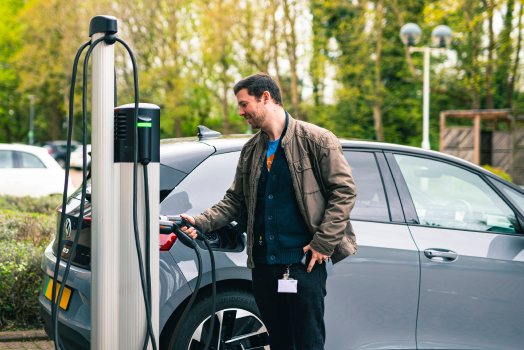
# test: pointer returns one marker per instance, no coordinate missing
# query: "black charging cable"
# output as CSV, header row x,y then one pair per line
x,y
170,227
189,242
54,305
110,39
145,280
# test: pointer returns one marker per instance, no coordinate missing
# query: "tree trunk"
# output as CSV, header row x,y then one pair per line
x,y
377,104
274,42
489,69
469,12
396,9
511,85
291,42
225,127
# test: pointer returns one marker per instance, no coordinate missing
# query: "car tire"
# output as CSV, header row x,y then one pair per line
x,y
236,312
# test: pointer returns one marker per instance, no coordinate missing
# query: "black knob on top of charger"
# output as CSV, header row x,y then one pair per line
x,y
144,139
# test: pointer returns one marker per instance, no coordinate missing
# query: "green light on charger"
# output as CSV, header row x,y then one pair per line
x,y
144,125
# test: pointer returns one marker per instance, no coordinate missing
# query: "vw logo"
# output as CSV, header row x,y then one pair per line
x,y
68,228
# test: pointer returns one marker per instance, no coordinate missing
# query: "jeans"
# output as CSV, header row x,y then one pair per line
x,y
294,321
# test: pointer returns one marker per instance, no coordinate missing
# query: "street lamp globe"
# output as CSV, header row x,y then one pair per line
x,y
410,34
441,36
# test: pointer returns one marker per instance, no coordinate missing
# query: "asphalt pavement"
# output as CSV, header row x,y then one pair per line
x,y
29,345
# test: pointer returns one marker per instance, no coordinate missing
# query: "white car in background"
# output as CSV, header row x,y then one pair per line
x,y
30,171
77,157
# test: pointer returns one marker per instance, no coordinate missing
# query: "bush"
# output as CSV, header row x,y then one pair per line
x,y
23,238
20,286
43,205
498,171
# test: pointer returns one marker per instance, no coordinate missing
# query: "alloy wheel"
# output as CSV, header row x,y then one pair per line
x,y
234,329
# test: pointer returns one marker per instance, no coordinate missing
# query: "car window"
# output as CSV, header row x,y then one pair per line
x,y
169,178
6,160
204,187
517,198
371,201
29,160
449,196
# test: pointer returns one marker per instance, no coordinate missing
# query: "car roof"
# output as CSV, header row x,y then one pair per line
x,y
233,143
42,153
23,148
61,142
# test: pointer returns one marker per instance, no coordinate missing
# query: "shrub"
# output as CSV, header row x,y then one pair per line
x,y
26,227
23,238
20,286
43,205
498,171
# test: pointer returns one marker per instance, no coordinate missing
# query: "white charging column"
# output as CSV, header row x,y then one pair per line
x,y
105,238
132,311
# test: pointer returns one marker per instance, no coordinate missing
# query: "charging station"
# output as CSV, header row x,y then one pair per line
x,y
105,193
132,327
125,196
118,317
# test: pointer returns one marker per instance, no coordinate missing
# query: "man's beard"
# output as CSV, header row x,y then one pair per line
x,y
257,119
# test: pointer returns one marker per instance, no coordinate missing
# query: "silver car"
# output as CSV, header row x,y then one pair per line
x,y
440,260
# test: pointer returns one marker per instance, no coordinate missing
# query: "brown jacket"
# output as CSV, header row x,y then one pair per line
x,y
322,181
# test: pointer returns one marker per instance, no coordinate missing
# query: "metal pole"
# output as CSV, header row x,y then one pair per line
x,y
425,117
105,238
32,120
132,311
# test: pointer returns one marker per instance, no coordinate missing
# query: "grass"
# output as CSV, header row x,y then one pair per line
x,y
27,226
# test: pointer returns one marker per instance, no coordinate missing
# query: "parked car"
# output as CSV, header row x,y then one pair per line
x,y
30,171
440,260
77,157
58,150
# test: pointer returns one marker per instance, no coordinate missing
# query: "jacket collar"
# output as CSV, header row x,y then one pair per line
x,y
289,131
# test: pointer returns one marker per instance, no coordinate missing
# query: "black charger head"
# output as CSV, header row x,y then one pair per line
x,y
144,126
147,127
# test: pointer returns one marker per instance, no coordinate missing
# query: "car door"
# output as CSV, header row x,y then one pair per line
x,y
37,180
471,252
205,186
372,296
10,184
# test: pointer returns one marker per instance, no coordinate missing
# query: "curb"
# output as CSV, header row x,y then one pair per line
x,y
23,335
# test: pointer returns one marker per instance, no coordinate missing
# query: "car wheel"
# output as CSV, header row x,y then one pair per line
x,y
238,324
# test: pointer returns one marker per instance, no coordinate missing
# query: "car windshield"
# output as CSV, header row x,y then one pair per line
x,y
78,193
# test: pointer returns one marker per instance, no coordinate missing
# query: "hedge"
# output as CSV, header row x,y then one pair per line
x,y
43,205
23,238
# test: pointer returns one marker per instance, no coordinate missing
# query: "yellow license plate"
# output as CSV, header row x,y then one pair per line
x,y
66,294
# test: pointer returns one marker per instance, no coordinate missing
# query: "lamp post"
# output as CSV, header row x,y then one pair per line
x,y
31,133
441,36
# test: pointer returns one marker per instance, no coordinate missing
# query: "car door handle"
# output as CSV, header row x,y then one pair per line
x,y
444,254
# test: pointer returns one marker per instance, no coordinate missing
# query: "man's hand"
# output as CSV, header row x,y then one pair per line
x,y
316,257
189,230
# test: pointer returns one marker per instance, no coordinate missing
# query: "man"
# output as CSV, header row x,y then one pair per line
x,y
298,191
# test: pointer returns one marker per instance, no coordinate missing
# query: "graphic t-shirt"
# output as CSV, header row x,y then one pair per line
x,y
271,149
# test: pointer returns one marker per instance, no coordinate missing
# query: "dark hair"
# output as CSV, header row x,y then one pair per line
x,y
257,83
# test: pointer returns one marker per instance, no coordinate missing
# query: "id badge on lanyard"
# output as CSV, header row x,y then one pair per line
x,y
287,284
